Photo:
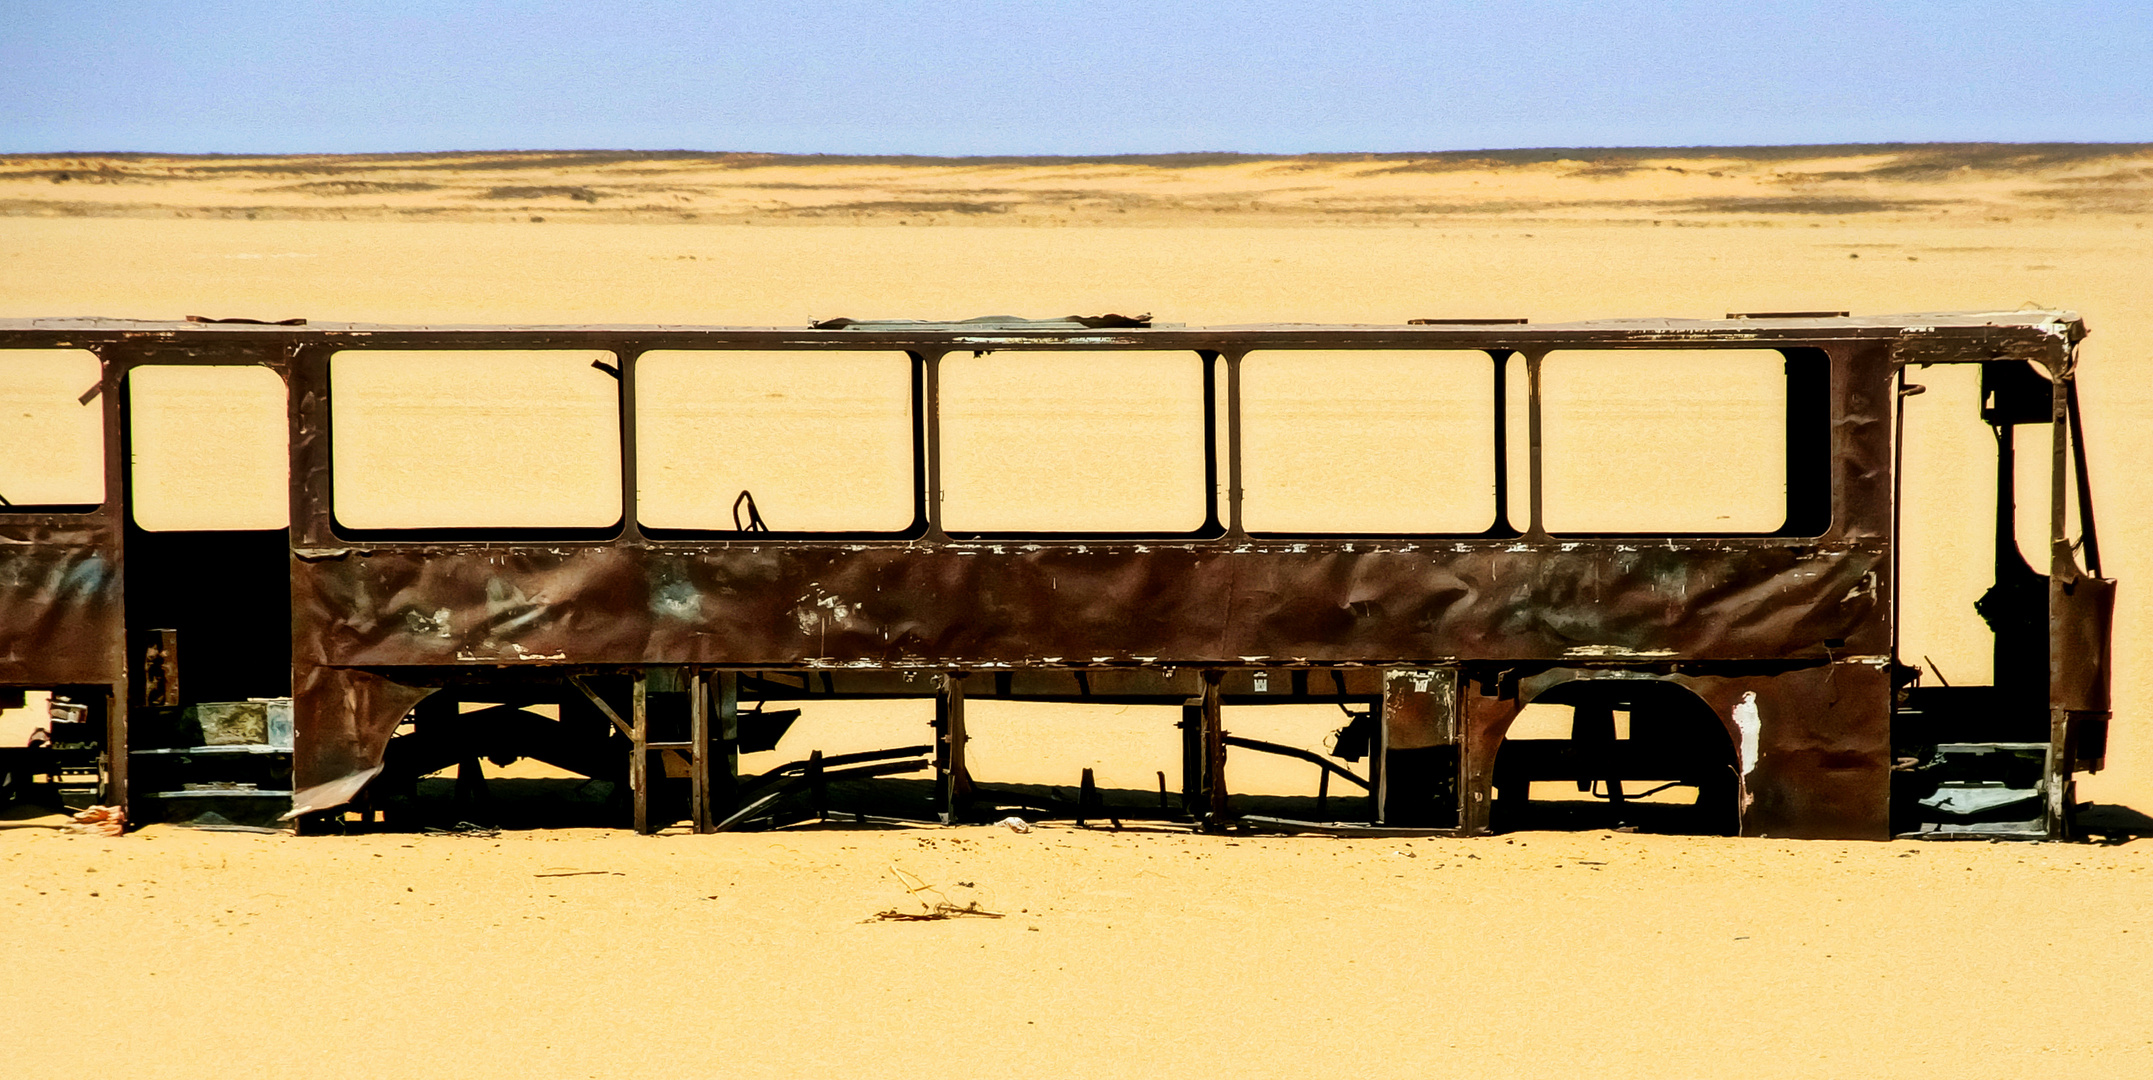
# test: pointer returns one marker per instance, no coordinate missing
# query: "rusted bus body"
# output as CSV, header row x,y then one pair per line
x,y
62,615
1787,638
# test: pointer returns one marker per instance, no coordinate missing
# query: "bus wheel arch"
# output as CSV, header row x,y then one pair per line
x,y
1673,733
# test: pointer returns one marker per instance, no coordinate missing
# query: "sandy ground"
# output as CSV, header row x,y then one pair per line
x,y
208,954
1118,954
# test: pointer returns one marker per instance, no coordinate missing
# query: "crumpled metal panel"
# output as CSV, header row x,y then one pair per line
x,y
349,718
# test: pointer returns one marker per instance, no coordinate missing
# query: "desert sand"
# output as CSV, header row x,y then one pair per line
x,y
185,953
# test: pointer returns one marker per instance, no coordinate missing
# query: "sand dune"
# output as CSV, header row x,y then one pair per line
x,y
1135,951
1897,183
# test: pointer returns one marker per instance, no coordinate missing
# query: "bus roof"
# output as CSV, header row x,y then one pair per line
x,y
1953,332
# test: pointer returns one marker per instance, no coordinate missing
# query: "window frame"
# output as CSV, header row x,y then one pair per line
x,y
619,528
1505,500
917,406
132,503
111,447
1808,441
1212,526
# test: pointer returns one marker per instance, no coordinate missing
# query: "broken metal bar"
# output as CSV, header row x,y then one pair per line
x,y
620,724
1333,828
1309,756
1615,793
857,818
854,758
760,799
884,768
754,806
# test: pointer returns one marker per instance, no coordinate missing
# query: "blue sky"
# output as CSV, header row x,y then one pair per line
x,y
1063,77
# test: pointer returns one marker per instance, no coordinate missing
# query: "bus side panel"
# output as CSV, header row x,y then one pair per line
x,y
61,618
1821,767
1050,605
1813,745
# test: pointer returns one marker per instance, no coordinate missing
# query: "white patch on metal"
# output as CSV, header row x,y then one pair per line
x,y
1613,650
421,626
1749,723
1861,588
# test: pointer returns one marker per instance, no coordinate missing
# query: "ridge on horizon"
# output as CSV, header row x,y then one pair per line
x,y
1971,152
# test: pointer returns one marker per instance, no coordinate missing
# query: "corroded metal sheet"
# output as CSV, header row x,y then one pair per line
x,y
60,612
1813,744
2082,615
965,606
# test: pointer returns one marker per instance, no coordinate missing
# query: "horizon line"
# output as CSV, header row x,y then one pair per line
x,y
1187,157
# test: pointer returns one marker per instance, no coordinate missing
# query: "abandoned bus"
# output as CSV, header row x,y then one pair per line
x,y
1463,576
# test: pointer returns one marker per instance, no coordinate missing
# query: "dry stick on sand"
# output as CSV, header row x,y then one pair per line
x,y
935,912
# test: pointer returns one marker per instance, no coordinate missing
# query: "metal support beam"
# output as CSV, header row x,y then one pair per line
x,y
639,739
1192,758
930,441
725,761
952,780
2056,777
699,750
1233,444
115,772
1532,439
605,709
1214,740
1379,761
